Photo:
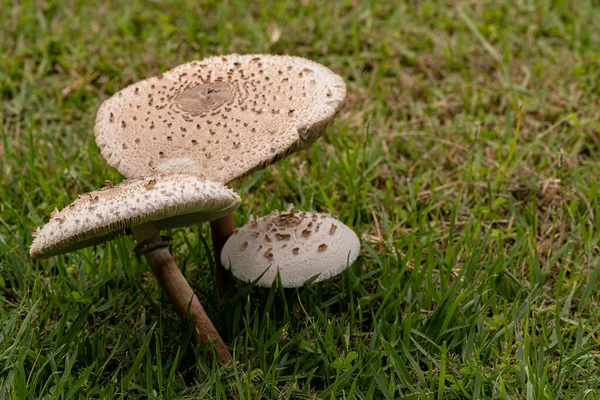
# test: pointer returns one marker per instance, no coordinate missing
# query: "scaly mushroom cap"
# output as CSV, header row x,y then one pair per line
x,y
222,117
169,201
298,244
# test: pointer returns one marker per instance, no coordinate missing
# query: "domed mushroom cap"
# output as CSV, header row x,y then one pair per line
x,y
222,117
298,244
169,201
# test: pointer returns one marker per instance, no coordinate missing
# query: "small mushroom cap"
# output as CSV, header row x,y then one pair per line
x,y
222,117
298,244
169,201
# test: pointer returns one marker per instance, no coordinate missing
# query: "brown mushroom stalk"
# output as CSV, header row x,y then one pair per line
x,y
174,284
221,229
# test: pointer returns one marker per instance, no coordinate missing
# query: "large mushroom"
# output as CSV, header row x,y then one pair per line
x,y
222,117
145,206
297,245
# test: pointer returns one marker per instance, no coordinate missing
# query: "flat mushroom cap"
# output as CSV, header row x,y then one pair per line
x,y
222,117
298,244
168,201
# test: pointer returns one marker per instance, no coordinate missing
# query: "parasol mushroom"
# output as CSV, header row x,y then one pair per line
x,y
222,117
296,244
144,205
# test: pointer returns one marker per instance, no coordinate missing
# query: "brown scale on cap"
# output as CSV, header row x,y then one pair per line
x,y
274,109
150,184
269,253
288,219
282,236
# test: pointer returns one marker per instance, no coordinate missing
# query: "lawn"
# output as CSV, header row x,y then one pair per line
x,y
466,158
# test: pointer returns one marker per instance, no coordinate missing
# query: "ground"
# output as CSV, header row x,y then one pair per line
x,y
466,158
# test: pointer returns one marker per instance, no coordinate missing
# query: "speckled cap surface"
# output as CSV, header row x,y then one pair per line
x,y
222,117
298,244
169,201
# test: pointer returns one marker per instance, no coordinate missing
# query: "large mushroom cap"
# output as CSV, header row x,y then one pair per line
x,y
169,201
298,244
222,117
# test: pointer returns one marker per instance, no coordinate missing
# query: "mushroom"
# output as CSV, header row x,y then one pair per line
x,y
222,117
144,205
297,244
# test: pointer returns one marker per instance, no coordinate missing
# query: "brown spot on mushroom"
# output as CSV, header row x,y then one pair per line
x,y
256,234
296,250
332,229
267,239
306,233
269,254
245,244
322,247
150,184
282,236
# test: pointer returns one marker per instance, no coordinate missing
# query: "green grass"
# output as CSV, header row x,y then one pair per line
x,y
466,158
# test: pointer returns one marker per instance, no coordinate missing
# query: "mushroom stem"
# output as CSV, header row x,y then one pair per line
x,y
174,284
221,229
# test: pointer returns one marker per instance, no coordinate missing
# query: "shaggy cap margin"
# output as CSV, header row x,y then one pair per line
x,y
168,201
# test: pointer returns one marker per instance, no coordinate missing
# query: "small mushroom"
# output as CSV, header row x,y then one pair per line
x,y
325,253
